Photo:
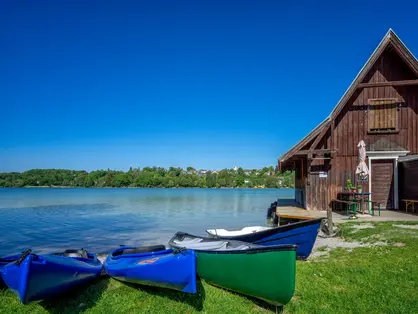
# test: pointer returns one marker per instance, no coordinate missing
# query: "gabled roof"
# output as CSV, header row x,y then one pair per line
x,y
315,132
401,49
389,39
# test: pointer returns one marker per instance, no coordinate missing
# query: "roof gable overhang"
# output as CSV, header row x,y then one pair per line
x,y
389,39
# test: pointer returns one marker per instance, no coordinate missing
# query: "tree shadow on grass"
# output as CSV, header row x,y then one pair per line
x,y
78,299
194,300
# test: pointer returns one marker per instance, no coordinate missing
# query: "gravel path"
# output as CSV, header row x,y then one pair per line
x,y
323,245
407,226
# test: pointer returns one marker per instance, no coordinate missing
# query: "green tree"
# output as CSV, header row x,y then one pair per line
x,y
271,181
210,180
240,172
121,179
148,177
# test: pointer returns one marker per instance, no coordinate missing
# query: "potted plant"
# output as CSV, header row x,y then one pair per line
x,y
359,189
350,186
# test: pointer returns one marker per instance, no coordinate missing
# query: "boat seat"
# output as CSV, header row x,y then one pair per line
x,y
188,242
241,247
139,250
73,253
222,247
212,245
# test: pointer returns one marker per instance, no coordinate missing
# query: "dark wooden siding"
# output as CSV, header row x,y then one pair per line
x,y
351,126
352,122
382,182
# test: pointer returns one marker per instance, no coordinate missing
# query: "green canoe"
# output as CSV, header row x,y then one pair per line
x,y
264,272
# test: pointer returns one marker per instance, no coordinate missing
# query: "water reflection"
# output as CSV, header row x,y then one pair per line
x,y
101,219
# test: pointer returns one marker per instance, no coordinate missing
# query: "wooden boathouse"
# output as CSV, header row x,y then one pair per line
x,y
380,107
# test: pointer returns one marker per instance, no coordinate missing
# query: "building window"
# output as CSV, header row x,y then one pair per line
x,y
383,115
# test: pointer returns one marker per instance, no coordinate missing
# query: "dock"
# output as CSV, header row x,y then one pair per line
x,y
288,211
288,208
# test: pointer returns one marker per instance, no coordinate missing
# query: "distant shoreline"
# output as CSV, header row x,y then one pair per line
x,y
147,177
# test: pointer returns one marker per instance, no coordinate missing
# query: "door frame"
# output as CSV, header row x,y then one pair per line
x,y
387,155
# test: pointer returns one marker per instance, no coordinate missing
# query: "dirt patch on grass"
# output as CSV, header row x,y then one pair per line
x,y
375,238
407,226
356,228
399,244
338,288
323,245
408,233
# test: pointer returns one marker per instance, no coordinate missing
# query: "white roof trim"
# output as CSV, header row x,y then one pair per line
x,y
405,46
386,154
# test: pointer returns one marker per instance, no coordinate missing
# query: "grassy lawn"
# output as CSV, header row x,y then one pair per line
x,y
380,279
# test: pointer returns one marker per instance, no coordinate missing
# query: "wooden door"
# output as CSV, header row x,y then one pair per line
x,y
382,182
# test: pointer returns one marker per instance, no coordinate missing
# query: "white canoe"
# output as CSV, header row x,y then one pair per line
x,y
233,233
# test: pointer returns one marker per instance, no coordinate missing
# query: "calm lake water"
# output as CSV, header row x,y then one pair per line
x,y
102,219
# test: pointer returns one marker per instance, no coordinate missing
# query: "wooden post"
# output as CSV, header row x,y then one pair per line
x,y
308,173
330,223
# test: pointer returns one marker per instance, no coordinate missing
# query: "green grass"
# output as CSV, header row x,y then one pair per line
x,y
380,279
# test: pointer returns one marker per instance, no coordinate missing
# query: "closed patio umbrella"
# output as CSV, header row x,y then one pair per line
x,y
362,169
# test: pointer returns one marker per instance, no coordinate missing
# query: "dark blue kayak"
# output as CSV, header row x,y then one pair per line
x,y
8,259
303,234
3,262
154,266
37,277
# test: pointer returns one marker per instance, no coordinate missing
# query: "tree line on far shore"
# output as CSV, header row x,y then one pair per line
x,y
149,177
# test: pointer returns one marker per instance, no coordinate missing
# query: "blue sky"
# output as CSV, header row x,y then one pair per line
x,y
212,84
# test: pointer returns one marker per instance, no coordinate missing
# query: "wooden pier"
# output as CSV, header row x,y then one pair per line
x,y
289,211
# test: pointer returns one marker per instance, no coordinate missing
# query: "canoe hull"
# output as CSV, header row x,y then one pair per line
x,y
303,234
165,269
266,274
39,277
3,262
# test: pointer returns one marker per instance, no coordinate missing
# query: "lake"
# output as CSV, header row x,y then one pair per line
x,y
99,220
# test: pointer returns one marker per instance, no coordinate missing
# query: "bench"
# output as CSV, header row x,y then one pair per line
x,y
350,208
410,202
373,206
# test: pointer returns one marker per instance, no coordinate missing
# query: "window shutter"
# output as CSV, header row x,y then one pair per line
x,y
383,115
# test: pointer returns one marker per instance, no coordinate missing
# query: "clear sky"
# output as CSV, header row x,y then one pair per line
x,y
211,84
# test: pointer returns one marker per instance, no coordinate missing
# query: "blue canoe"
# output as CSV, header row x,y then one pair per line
x,y
3,262
303,234
37,277
154,266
